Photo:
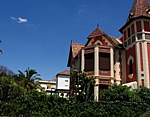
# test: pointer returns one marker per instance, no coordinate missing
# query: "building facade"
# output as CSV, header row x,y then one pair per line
x,y
63,83
49,86
123,60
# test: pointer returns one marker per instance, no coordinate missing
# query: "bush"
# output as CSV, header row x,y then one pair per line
x,y
115,102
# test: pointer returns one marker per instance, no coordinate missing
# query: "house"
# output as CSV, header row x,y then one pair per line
x,y
124,60
49,86
63,83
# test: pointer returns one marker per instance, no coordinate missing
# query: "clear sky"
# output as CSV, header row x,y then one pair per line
x,y
37,33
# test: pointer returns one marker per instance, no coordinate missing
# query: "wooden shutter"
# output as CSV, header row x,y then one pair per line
x,y
104,61
89,62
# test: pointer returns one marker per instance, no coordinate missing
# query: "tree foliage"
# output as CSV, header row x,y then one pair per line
x,y
20,101
83,86
28,79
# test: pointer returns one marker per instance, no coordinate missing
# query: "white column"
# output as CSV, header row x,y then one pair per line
x,y
138,63
145,59
117,67
96,90
112,64
145,64
123,62
96,61
82,60
96,73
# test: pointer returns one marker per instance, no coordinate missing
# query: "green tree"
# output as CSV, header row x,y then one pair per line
x,y
144,94
28,79
119,93
9,91
83,86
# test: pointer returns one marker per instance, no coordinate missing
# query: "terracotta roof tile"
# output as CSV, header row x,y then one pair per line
x,y
139,8
97,32
66,72
76,47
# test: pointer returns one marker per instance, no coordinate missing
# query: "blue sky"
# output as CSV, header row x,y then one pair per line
x,y
37,33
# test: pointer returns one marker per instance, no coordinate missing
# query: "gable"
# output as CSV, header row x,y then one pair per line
x,y
100,40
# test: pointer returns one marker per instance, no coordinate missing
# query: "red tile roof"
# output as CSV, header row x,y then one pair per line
x,y
74,50
76,47
139,8
97,32
66,72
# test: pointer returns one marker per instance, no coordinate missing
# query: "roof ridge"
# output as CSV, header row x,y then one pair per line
x,y
95,33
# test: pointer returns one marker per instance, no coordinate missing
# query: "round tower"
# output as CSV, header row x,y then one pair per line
x,y
136,41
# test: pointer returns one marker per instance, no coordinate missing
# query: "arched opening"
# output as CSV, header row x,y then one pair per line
x,y
130,67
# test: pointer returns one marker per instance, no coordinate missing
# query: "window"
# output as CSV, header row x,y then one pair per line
x,y
133,39
129,32
146,26
129,41
125,44
138,26
132,29
130,67
124,35
104,61
66,80
89,62
139,36
147,36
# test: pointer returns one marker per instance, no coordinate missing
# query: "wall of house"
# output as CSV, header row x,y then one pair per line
x,y
62,82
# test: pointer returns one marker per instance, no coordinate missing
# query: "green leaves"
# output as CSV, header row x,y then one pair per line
x,y
17,100
83,86
28,79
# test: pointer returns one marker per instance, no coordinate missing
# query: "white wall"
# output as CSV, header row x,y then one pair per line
x,y
63,82
44,86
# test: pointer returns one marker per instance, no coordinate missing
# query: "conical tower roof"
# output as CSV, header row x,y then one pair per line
x,y
139,8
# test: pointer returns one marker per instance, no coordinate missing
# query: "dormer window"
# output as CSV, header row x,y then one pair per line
x,y
148,11
130,15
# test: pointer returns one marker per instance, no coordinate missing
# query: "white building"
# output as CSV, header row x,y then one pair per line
x,y
63,83
49,86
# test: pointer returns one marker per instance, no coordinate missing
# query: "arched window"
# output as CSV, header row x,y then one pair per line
x,y
131,67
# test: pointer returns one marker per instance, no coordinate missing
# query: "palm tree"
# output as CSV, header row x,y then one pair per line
x,y
28,79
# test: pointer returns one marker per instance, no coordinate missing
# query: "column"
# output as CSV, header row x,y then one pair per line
x,y
138,65
123,62
145,58
82,60
96,73
112,64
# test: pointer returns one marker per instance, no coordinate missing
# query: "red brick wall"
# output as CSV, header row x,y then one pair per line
x,y
131,51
